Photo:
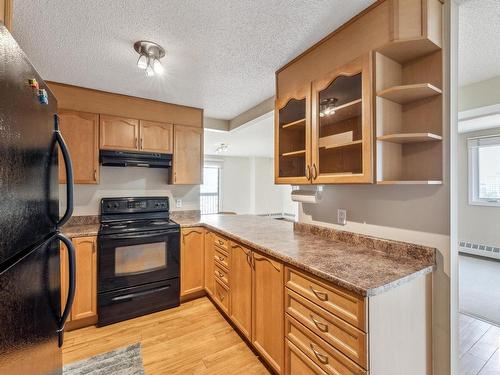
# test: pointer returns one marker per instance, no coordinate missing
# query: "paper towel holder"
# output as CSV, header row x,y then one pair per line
x,y
307,196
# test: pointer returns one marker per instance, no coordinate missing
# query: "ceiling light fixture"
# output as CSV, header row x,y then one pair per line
x,y
150,54
221,147
327,107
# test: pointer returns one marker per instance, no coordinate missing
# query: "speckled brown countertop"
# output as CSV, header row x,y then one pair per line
x,y
81,226
364,265
361,264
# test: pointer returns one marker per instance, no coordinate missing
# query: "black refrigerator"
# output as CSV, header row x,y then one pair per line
x,y
32,315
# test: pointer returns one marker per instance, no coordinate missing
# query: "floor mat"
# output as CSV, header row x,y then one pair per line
x,y
479,288
123,361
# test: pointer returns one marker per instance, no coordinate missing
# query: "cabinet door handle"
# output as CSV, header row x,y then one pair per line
x,y
321,357
95,174
315,172
308,172
321,326
322,296
136,142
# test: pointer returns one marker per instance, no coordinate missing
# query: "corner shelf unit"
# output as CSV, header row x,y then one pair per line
x,y
409,138
408,81
404,94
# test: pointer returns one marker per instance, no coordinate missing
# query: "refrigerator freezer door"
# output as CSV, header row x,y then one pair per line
x,y
30,311
28,158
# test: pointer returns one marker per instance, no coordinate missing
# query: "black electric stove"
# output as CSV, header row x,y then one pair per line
x,y
139,250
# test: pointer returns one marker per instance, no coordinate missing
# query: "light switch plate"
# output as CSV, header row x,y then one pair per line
x,y
178,203
342,216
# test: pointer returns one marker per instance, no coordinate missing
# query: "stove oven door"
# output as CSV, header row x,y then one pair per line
x,y
127,259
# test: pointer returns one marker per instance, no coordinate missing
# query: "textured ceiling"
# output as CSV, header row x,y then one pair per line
x,y
479,47
221,55
252,140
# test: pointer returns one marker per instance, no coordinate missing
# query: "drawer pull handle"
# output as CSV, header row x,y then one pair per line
x,y
321,295
321,357
220,274
221,242
221,258
321,326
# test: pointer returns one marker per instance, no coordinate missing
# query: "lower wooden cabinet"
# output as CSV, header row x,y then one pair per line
x,y
209,262
267,309
84,311
296,362
192,260
241,288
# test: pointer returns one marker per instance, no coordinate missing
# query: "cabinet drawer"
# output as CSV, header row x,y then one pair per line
x,y
221,242
221,258
344,304
221,296
221,274
343,336
323,355
297,362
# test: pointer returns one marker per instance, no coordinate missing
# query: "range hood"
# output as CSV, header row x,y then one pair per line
x,y
134,159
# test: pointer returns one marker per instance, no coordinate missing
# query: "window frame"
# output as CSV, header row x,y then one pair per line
x,y
473,145
218,166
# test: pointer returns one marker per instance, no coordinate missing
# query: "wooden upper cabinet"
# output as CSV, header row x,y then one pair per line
x,y
415,19
267,310
118,133
85,302
192,260
80,131
241,288
342,127
188,155
293,138
156,137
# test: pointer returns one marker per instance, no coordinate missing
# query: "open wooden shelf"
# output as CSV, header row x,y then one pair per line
x,y
403,51
297,123
409,93
324,144
409,182
294,153
410,137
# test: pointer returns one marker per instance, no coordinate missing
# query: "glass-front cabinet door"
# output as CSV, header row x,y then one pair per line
x,y
292,138
342,132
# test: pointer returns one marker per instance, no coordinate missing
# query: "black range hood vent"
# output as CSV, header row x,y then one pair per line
x,y
134,159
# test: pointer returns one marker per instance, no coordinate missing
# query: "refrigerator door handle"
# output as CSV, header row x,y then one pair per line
x,y
69,172
71,286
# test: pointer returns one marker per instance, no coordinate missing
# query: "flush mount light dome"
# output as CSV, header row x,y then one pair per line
x,y
150,54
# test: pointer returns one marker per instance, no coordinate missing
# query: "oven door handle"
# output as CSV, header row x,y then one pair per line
x,y
130,297
135,236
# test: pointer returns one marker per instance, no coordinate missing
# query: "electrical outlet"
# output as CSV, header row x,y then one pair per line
x,y
342,216
178,203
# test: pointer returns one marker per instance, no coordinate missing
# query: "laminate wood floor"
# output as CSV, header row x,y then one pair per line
x,y
479,347
191,339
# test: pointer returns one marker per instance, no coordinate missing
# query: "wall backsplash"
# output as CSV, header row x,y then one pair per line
x,y
130,181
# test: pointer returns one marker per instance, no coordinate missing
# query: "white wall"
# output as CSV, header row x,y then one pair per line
x,y
479,94
247,186
235,184
129,182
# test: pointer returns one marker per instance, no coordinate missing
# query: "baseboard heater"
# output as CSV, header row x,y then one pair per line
x,y
479,249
